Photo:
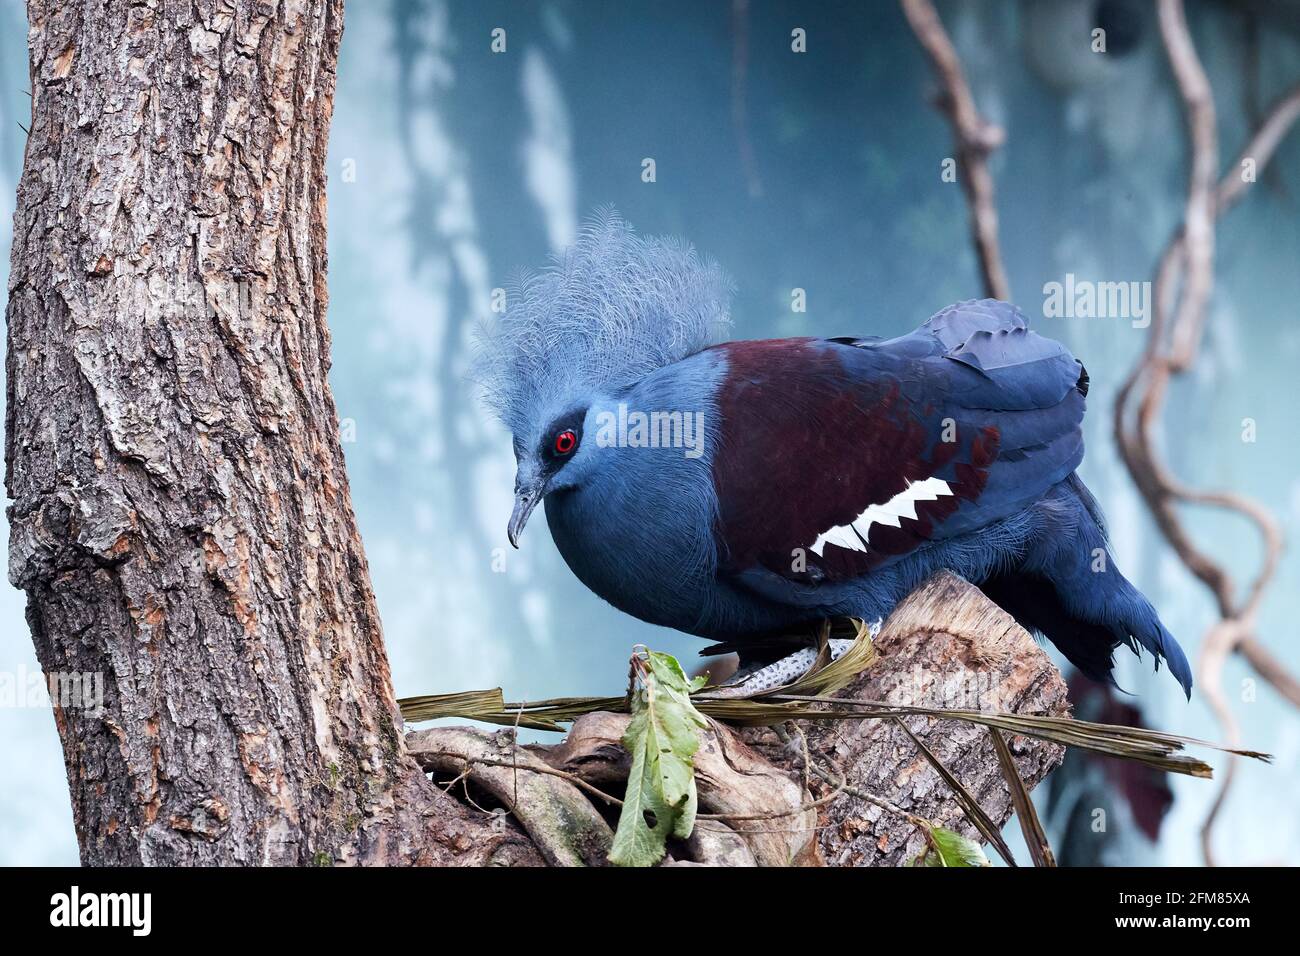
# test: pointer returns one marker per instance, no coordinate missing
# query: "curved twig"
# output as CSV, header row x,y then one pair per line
x,y
1183,284
975,138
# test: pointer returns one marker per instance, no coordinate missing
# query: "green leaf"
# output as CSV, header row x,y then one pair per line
x,y
662,738
949,848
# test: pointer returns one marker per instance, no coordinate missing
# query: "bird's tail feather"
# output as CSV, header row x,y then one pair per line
x,y
1068,589
1144,624
1034,603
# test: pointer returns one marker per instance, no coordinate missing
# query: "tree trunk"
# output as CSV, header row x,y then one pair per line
x,y
181,520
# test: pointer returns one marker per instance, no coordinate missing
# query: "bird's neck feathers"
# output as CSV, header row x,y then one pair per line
x,y
645,506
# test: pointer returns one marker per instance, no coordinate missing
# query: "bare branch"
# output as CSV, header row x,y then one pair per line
x,y
1198,226
1183,284
975,138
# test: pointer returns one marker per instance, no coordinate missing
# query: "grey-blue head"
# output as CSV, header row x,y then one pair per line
x,y
610,310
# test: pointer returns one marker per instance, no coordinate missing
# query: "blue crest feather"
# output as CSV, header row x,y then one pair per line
x,y
611,309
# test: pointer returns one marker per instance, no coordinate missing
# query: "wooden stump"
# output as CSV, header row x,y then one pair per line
x,y
946,645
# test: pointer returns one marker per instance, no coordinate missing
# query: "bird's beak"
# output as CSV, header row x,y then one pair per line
x,y
526,498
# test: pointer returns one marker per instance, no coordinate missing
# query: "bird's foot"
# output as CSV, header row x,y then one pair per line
x,y
758,679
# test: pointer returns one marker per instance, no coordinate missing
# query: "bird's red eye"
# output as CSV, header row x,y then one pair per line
x,y
565,442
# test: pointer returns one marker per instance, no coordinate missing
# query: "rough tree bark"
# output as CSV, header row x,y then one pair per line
x,y
181,520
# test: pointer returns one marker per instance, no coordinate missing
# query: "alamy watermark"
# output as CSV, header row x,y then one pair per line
x,y
133,911
1084,299
922,686
657,429
67,690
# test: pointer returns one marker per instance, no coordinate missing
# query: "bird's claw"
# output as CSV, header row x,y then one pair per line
x,y
781,672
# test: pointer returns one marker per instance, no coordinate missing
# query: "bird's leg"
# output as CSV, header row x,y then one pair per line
x,y
757,679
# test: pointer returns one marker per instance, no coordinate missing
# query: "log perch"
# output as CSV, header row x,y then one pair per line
x,y
946,645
